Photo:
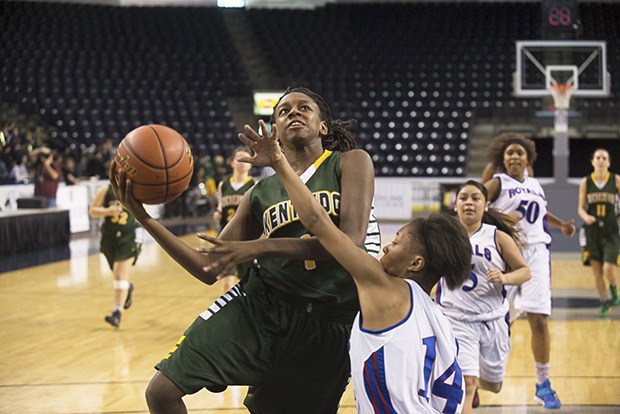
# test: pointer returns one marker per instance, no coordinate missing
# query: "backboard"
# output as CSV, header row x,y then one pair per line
x,y
541,64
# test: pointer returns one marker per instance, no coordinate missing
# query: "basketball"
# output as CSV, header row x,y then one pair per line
x,y
158,161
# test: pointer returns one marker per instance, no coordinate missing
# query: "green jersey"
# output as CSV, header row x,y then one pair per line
x,y
324,281
122,223
602,202
231,197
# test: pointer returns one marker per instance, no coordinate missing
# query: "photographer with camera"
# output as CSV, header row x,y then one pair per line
x,y
47,175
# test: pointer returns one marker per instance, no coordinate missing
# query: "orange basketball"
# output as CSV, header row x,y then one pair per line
x,y
158,161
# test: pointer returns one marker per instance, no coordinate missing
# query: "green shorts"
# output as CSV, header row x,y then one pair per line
x,y
602,246
294,358
120,246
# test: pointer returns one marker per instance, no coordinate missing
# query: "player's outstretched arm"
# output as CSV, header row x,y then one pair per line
x,y
357,190
183,254
360,265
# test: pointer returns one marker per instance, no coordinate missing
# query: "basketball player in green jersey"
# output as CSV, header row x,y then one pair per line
x,y
229,194
284,328
120,244
598,202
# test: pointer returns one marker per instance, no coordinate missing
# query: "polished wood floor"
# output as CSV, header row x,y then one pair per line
x,y
60,357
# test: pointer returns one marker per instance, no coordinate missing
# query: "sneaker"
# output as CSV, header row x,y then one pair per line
x,y
546,396
476,401
604,312
128,301
114,319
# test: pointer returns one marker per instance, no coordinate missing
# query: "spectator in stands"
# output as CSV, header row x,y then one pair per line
x,y
68,170
47,175
13,134
98,164
95,165
6,162
514,193
598,202
285,327
4,172
75,152
19,172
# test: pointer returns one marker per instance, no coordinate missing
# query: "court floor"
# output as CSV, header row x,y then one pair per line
x,y
60,357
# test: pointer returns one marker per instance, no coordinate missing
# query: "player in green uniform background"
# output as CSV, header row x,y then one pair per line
x,y
598,208
229,193
120,244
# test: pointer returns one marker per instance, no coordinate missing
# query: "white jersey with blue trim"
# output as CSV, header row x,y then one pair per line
x,y
477,300
410,367
528,198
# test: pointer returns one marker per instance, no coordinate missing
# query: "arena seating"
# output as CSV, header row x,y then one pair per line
x,y
601,21
99,71
414,75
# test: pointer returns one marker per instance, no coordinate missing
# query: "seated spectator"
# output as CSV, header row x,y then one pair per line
x,y
68,170
19,173
4,172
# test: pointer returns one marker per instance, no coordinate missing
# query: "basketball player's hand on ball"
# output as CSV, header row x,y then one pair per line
x,y
122,190
265,145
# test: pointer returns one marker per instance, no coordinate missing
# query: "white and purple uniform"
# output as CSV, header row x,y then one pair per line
x,y
410,367
478,311
527,197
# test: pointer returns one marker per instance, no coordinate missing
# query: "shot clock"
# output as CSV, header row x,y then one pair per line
x,y
560,20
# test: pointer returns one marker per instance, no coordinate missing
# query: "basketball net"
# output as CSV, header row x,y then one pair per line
x,y
561,93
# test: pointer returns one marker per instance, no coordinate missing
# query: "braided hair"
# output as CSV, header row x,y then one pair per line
x,y
495,154
338,138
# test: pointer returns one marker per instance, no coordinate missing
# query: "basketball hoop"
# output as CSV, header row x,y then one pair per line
x,y
561,93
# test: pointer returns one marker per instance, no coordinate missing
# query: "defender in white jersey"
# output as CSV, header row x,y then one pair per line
x,y
478,311
403,352
512,193
387,365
